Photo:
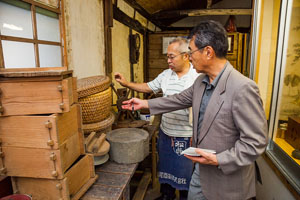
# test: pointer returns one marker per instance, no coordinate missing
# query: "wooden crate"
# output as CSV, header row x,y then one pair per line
x,y
292,135
42,146
40,92
74,184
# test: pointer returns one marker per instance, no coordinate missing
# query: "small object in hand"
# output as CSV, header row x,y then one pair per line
x,y
296,153
132,108
191,151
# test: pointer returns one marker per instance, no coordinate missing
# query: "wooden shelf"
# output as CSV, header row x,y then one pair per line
x,y
113,182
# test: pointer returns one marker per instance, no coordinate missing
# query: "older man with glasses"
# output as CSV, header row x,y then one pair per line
x,y
229,118
174,170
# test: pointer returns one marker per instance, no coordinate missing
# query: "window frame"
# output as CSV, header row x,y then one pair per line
x,y
284,163
35,41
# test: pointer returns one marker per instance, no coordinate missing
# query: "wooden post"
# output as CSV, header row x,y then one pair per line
x,y
108,23
34,30
63,39
1,54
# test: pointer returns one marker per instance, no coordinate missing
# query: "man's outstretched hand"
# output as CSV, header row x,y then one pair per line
x,y
135,104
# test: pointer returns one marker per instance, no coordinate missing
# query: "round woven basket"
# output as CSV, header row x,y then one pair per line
x,y
92,85
99,126
96,107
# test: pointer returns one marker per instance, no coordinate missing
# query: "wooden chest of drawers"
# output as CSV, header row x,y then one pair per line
x,y
41,137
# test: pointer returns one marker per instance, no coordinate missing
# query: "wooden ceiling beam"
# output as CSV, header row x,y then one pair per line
x,y
126,20
144,13
205,12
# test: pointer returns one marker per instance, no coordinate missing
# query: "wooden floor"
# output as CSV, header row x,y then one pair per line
x,y
152,193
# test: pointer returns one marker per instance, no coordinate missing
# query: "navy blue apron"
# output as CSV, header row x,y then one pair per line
x,y
173,168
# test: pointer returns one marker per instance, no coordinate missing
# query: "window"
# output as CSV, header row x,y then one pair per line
x,y
30,35
284,121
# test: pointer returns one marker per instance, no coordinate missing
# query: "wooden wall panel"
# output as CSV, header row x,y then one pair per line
x,y
238,58
156,62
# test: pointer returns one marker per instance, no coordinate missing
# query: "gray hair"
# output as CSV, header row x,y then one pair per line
x,y
211,33
183,44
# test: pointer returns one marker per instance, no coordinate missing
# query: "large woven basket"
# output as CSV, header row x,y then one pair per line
x,y
92,85
96,107
99,126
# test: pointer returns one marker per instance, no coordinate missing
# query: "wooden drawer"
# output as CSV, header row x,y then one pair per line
x,y
40,163
37,94
40,146
40,131
74,184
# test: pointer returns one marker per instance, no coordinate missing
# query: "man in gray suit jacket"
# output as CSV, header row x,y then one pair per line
x,y
228,118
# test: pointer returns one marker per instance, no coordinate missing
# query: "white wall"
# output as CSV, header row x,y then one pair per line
x,y
263,64
85,37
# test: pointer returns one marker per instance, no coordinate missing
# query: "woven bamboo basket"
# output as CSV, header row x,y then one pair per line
x,y
96,107
92,85
99,126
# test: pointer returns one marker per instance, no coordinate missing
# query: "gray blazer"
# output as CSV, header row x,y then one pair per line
x,y
234,125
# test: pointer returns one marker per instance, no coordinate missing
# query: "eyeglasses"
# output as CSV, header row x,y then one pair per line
x,y
174,56
191,52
